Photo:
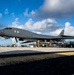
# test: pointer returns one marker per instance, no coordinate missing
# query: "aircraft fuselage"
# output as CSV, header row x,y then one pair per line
x,y
24,34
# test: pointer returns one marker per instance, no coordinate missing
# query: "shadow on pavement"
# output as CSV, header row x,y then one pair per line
x,y
55,66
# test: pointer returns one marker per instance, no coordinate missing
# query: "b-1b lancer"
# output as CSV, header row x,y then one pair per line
x,y
30,36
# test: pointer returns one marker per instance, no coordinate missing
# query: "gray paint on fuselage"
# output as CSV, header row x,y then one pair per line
x,y
24,34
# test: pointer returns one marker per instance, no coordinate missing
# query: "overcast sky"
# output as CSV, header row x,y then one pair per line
x,y
40,16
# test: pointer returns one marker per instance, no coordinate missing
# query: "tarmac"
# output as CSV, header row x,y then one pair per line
x,y
36,61
29,50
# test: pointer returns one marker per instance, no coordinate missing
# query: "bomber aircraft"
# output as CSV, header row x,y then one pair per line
x,y
21,34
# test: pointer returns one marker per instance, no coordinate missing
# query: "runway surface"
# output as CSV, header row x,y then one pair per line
x,y
25,50
36,61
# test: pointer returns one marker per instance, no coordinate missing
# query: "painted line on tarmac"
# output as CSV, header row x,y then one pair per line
x,y
66,53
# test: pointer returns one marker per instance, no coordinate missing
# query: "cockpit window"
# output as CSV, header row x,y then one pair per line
x,y
8,28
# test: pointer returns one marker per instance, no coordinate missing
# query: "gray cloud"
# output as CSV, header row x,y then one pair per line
x,y
42,26
46,26
69,30
39,26
55,9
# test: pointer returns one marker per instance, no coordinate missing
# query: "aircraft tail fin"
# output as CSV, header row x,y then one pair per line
x,y
62,33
